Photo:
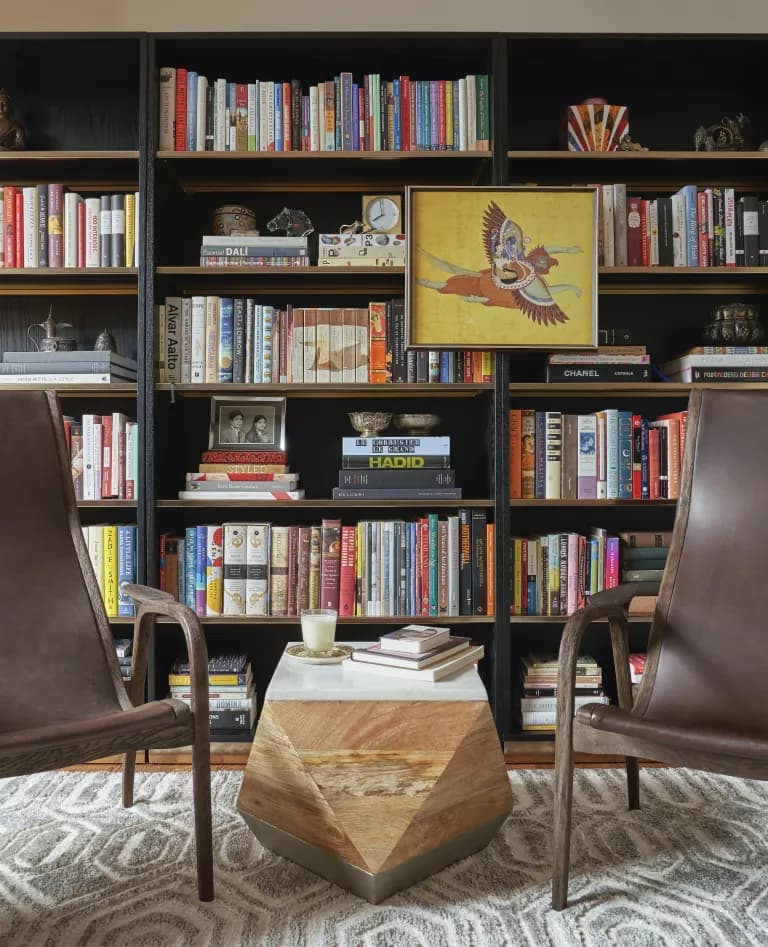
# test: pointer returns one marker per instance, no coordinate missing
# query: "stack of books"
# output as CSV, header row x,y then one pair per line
x,y
643,559
231,695
245,249
242,475
83,368
361,249
124,652
719,363
396,468
538,705
417,652
620,363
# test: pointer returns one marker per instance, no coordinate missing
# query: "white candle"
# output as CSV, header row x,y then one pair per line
x,y
318,628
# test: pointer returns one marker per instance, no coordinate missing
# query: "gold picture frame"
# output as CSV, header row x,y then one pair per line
x,y
480,268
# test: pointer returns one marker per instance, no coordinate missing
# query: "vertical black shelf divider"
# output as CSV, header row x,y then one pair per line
x,y
500,692
146,346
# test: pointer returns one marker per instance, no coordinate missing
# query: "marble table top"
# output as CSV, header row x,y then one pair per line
x,y
294,680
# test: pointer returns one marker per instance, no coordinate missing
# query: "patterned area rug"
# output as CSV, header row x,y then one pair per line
x,y
690,868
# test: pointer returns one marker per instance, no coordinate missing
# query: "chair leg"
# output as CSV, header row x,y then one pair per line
x,y
561,842
633,783
129,768
201,786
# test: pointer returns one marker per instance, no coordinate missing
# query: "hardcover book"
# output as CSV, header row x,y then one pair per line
x,y
414,639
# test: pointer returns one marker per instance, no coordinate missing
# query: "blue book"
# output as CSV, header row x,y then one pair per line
x,y
191,111
181,577
338,108
226,337
397,144
278,116
200,587
126,567
625,455
190,564
690,196
445,367
355,117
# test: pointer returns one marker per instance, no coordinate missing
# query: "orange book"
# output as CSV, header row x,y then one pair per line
x,y
490,568
515,454
528,454
377,345
477,367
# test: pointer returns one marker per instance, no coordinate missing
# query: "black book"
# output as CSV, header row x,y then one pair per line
x,y
465,562
666,231
395,461
230,719
581,372
392,493
399,359
739,234
392,477
540,455
217,664
750,230
762,226
238,341
296,115
422,367
479,552
210,112
718,226
231,736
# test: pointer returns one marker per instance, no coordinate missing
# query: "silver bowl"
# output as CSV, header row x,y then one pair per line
x,y
416,423
370,423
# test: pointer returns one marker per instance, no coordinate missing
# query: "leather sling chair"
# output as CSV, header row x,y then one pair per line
x,y
63,700
701,702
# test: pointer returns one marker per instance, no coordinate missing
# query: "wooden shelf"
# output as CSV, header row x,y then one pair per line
x,y
648,389
69,281
590,503
322,155
32,156
562,619
54,272
294,620
122,620
301,280
637,155
682,280
222,754
332,391
127,390
288,271
107,504
327,504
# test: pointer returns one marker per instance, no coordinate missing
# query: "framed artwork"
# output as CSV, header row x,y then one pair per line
x,y
501,268
251,423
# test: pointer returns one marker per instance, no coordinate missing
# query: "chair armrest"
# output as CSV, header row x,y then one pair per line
x,y
611,604
151,603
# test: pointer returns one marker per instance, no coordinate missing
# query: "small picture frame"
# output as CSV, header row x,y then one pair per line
x,y
247,423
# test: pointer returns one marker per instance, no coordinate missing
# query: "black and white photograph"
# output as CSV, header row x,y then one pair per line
x,y
251,423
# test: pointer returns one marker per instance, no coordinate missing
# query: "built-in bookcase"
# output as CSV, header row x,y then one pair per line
x,y
91,105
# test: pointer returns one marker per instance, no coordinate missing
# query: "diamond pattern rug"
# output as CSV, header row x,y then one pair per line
x,y
690,868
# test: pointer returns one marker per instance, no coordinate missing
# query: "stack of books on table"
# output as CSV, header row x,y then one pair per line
x,y
719,363
242,475
417,652
80,368
361,249
231,695
620,363
396,468
538,705
245,249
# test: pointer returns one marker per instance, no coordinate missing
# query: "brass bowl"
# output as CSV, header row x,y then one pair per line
x,y
416,423
370,423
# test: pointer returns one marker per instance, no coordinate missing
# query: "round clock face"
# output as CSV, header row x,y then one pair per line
x,y
382,214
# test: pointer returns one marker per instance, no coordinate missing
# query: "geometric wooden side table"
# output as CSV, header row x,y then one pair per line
x,y
371,781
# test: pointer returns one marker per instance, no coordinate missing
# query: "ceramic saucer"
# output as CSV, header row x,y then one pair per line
x,y
338,653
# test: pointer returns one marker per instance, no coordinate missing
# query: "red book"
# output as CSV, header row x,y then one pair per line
x,y
245,457
347,573
377,346
181,110
106,454
9,215
361,123
515,454
405,113
702,221
653,463
287,114
18,225
424,564
68,433
634,237
441,115
302,577
330,563
523,577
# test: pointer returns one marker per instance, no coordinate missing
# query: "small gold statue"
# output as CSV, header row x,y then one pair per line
x,y
626,144
11,132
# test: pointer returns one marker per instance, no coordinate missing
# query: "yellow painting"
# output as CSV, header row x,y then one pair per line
x,y
495,268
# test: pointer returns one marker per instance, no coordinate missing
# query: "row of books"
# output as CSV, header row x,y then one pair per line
x,y
104,454
695,226
738,363
404,114
611,454
554,574
250,250
538,705
222,339
417,652
231,695
426,567
112,550
44,225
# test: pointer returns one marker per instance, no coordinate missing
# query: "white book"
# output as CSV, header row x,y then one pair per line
x,y
92,218
612,453
361,347
186,340
270,116
29,195
471,114
117,484
202,89
553,454
601,457
263,115
173,339
433,673
257,569
98,432
267,314
61,378
414,639
235,558
730,226
314,135
587,457
71,201
219,115
167,130
679,241
88,474
197,354
453,565
211,339
712,361
297,347
96,554
462,116
267,496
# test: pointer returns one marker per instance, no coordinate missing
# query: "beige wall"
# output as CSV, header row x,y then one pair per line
x,y
605,16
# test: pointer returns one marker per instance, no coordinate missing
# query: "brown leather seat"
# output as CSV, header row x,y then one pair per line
x,y
62,698
702,701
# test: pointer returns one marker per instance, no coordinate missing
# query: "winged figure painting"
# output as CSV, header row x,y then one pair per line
x,y
514,279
